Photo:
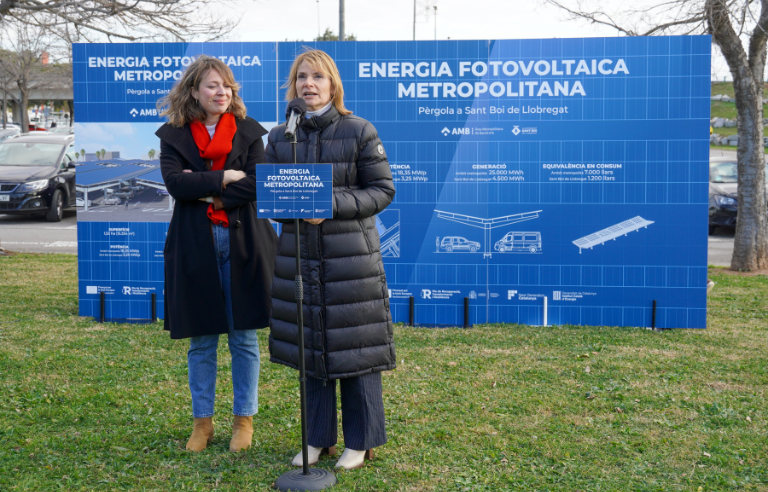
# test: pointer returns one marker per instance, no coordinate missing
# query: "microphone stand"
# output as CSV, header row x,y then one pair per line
x,y
308,479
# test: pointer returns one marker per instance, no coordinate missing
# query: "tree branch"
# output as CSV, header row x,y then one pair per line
x,y
130,20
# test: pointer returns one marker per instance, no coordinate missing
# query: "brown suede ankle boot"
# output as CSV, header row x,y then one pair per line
x,y
242,433
202,434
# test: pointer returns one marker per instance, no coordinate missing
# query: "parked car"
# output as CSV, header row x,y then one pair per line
x,y
519,241
37,175
723,190
8,133
455,243
62,130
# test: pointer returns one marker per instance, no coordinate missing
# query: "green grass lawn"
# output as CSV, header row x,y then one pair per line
x,y
90,406
727,109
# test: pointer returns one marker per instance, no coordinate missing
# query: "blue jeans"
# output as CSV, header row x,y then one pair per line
x,y
243,345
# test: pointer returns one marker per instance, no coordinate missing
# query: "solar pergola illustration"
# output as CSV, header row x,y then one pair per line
x,y
154,179
106,177
621,229
487,224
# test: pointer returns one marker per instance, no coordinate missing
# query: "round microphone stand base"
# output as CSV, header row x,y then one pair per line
x,y
295,480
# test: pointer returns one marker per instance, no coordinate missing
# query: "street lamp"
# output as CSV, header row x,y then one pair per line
x,y
435,7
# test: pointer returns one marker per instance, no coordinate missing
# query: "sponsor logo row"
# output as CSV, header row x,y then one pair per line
x,y
126,290
441,294
293,210
516,130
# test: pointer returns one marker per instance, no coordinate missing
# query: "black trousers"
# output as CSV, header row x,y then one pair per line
x,y
362,412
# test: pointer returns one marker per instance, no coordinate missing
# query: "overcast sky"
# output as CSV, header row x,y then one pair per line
x,y
369,20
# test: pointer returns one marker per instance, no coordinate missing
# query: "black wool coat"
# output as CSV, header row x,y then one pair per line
x,y
348,328
194,302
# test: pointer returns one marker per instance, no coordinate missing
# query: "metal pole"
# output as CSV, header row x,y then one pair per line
x,y
545,311
653,315
300,328
102,306
414,20
466,312
154,307
435,7
341,20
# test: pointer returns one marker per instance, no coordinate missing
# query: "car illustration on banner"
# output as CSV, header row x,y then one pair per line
x,y
519,242
450,244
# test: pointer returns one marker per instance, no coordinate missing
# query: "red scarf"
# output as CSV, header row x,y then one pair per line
x,y
217,150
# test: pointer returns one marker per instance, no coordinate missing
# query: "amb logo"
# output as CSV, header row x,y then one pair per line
x,y
456,131
144,112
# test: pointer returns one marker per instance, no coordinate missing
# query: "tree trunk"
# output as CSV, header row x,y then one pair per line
x,y
5,110
750,251
15,110
23,111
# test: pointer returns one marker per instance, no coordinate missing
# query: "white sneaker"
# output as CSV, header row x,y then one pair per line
x,y
710,285
351,459
313,455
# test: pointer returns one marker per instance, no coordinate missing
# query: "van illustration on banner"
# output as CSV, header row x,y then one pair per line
x,y
520,242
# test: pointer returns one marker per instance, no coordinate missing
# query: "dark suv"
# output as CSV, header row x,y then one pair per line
x,y
37,175
723,190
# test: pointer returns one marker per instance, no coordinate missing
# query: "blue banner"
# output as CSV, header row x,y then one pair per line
x,y
125,210
571,169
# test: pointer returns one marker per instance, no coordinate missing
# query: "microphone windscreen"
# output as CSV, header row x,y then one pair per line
x,y
298,105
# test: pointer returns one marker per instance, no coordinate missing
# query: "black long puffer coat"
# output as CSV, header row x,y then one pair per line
x,y
347,324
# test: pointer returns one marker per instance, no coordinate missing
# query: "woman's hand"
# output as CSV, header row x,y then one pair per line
x,y
314,221
230,176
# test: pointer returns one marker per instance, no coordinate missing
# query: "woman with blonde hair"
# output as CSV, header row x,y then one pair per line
x,y
349,334
219,257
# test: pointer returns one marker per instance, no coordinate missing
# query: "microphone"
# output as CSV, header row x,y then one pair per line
x,y
295,110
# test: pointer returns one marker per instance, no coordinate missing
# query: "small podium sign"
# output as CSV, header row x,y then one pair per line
x,y
294,191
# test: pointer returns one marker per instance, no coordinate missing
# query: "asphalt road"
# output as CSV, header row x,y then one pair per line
x,y
35,235
720,247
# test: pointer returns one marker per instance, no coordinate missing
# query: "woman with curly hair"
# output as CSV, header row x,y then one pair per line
x,y
219,257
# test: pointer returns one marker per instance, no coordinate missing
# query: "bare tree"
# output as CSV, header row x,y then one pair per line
x,y
727,21
6,86
126,20
22,66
